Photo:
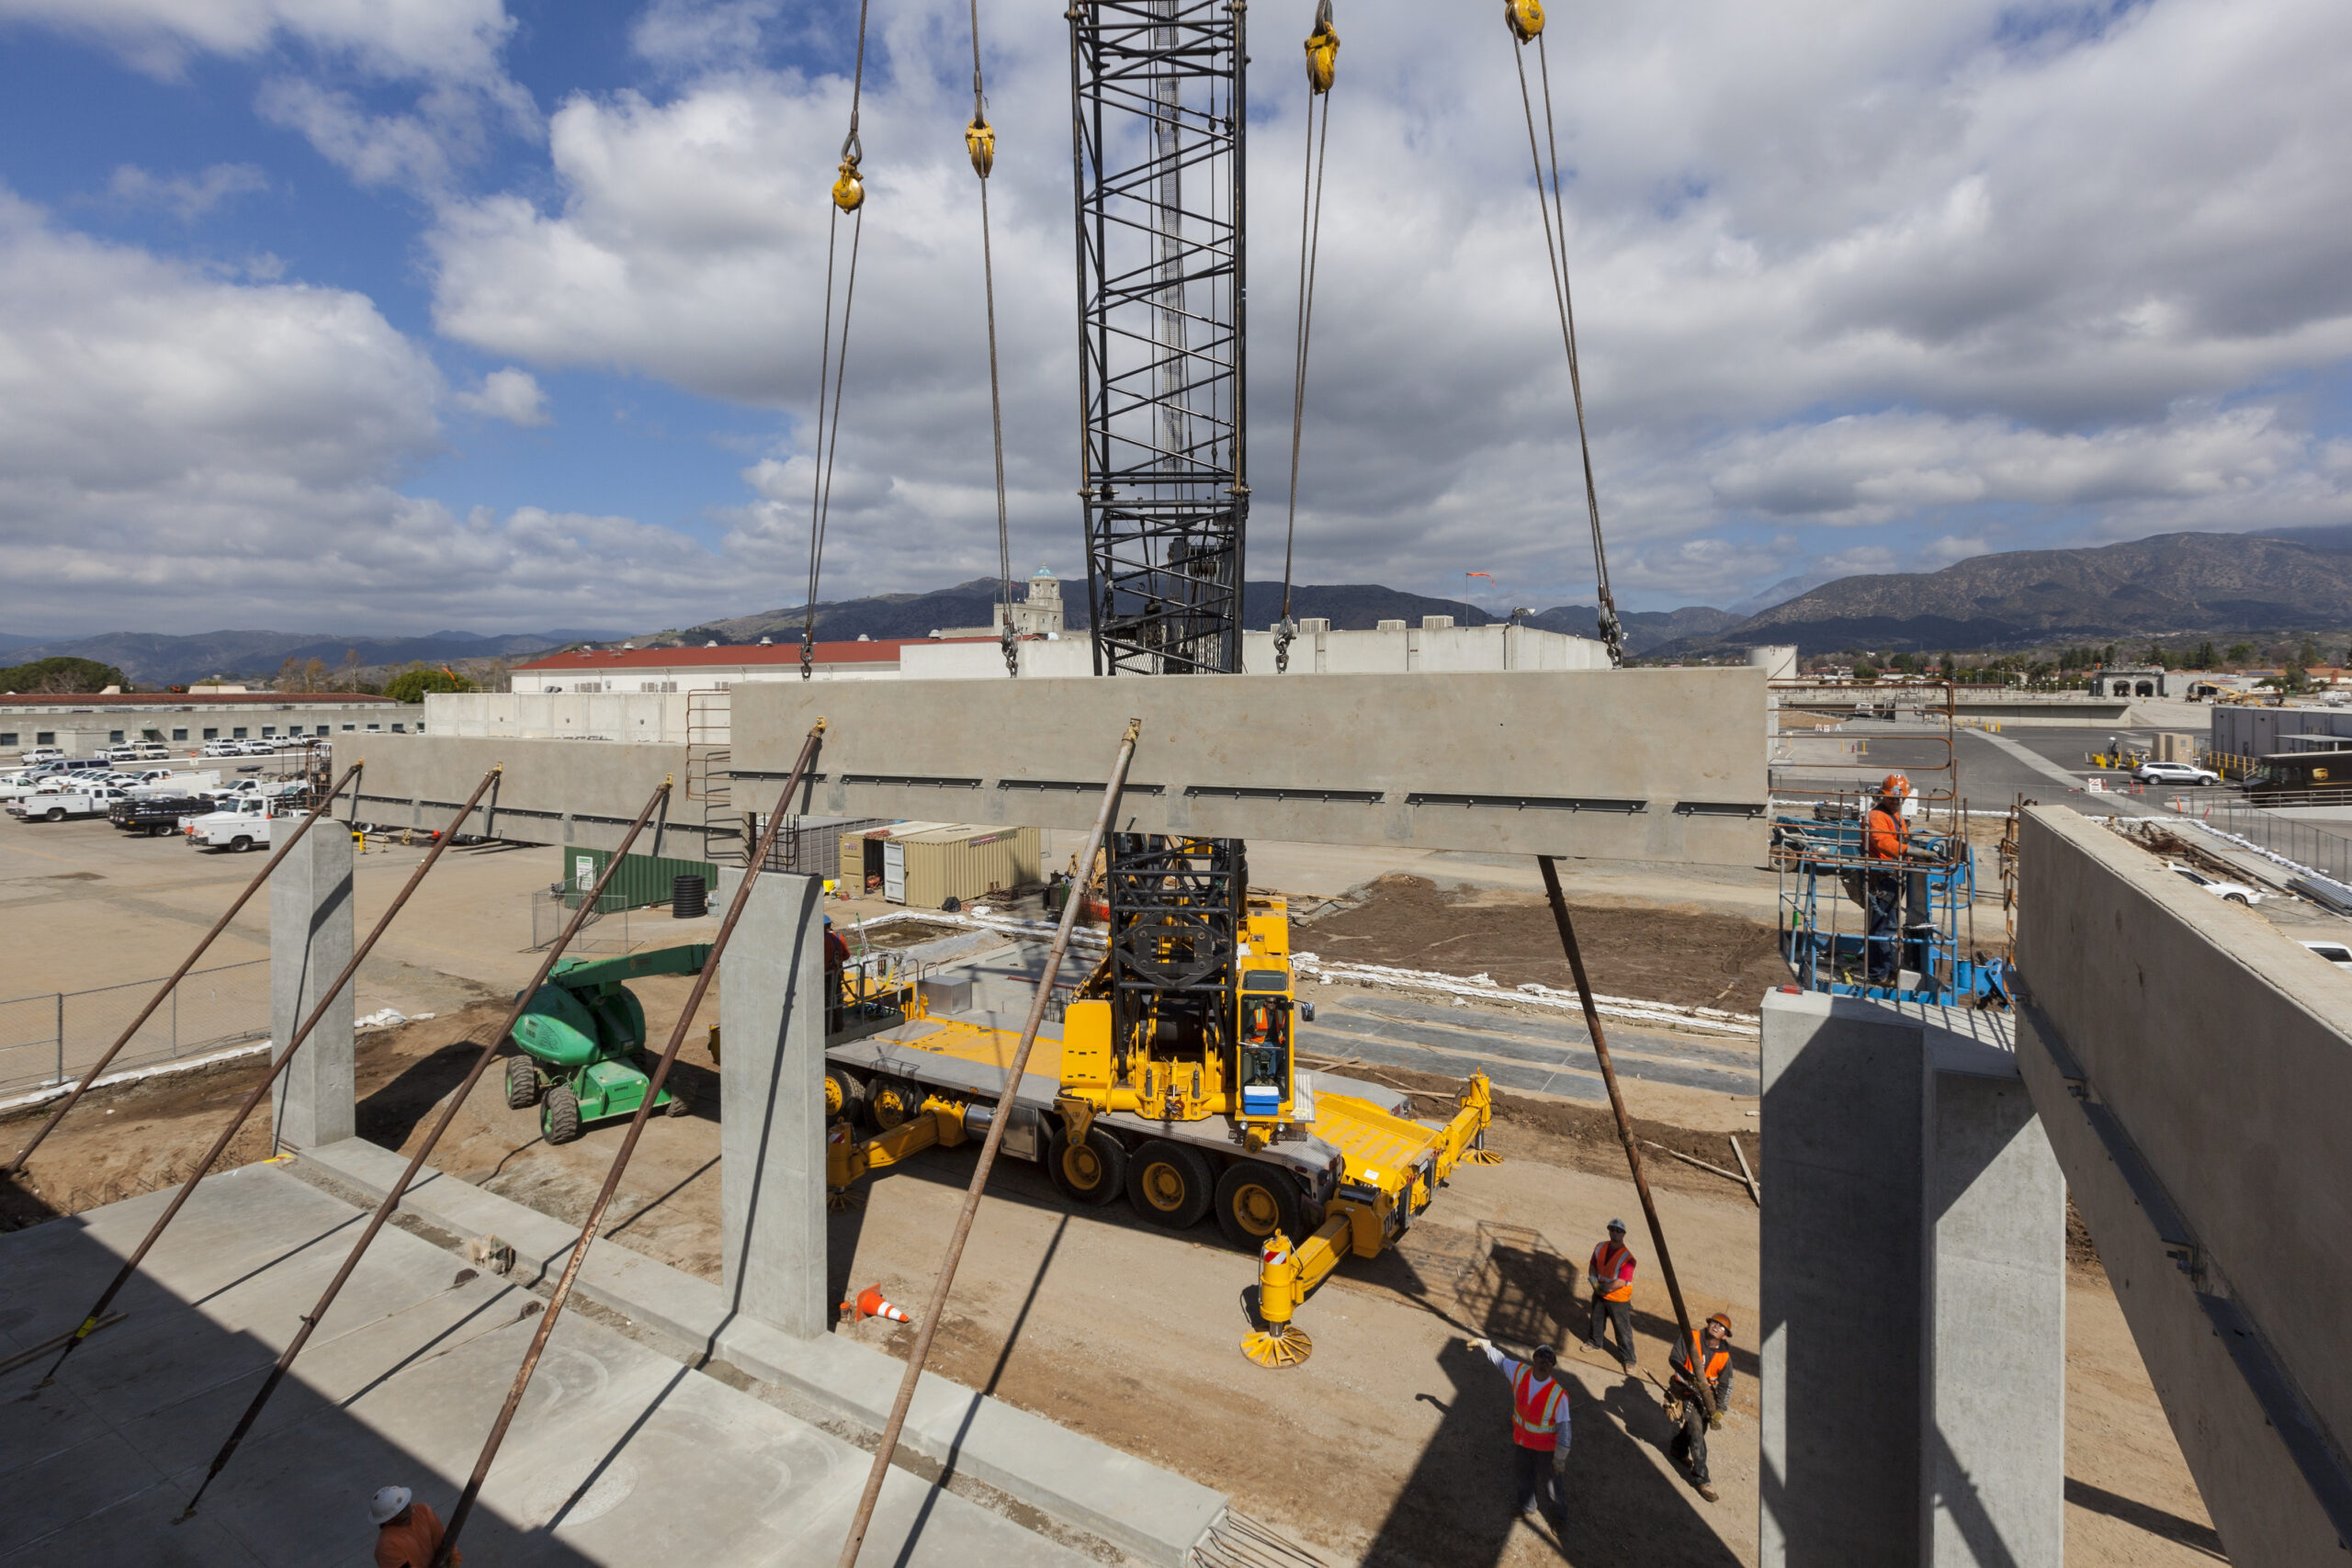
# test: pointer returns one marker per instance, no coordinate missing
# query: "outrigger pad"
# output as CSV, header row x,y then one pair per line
x,y
1288,1348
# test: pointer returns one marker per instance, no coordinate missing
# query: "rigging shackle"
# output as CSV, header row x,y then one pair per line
x,y
979,141
1323,49
1525,19
849,190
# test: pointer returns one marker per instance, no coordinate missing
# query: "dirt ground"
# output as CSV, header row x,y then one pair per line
x,y
1388,1446
1670,953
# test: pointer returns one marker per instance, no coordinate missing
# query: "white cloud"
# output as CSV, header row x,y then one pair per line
x,y
390,39
316,51
181,452
1834,263
512,395
185,197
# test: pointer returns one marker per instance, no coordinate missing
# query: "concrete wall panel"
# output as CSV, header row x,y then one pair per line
x,y
1633,763
2226,1050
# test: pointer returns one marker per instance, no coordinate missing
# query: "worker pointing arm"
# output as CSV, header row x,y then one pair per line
x,y
1539,1427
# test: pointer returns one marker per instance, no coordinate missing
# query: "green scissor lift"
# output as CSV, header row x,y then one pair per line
x,y
582,1038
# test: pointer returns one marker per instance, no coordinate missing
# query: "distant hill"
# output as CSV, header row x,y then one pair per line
x,y
2168,586
153,659
1349,606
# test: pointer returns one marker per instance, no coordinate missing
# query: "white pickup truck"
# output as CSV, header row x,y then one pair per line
x,y
57,806
240,826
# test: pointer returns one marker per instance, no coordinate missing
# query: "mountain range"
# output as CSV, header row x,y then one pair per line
x,y
2169,586
153,659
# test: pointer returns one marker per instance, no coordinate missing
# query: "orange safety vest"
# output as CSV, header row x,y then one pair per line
x,y
1607,1260
1889,835
1715,1363
1535,1410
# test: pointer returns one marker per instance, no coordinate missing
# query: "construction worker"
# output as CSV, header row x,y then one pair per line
x,y
1539,1428
1886,844
836,960
1712,1345
407,1533
1610,1276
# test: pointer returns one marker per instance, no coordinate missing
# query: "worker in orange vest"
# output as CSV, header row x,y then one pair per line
x,y
1539,1429
1886,844
1711,1349
407,1533
1610,1276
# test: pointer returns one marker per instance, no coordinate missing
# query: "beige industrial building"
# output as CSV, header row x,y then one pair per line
x,y
81,723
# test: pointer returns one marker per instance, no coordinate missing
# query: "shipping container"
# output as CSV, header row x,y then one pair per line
x,y
642,880
923,864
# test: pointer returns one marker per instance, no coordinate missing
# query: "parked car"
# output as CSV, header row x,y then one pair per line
x,y
2336,952
2235,892
2175,773
224,747
41,754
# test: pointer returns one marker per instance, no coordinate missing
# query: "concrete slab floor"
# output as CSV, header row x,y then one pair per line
x,y
618,1456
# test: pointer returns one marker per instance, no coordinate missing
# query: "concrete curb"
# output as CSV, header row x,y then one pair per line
x,y
1138,1507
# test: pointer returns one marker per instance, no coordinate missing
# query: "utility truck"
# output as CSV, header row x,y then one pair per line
x,y
59,805
241,825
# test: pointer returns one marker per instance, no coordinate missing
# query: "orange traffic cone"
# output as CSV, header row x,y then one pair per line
x,y
871,1303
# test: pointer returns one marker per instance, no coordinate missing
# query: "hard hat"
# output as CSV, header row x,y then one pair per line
x,y
1545,1355
1894,784
829,919
1617,1224
1721,1320
385,1505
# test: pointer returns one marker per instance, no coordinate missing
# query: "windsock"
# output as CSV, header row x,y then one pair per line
x,y
872,1303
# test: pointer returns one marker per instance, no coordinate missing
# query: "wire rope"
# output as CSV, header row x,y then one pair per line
x,y
1322,54
848,196
979,141
1526,23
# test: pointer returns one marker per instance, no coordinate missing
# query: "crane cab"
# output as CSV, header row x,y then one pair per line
x,y
1265,1061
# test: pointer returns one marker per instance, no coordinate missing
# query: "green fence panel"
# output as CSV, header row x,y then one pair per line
x,y
641,880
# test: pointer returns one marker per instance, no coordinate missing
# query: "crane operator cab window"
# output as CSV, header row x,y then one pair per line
x,y
1264,1043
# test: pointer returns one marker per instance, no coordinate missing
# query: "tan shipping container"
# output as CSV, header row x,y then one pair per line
x,y
861,853
966,862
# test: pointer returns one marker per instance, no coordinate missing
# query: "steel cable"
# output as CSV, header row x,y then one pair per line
x,y
980,139
1556,250
821,499
1310,238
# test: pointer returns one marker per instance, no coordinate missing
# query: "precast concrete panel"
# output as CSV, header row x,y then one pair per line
x,y
310,938
1650,764
2193,1062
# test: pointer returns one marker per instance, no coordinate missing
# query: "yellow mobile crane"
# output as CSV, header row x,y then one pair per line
x,y
1173,1076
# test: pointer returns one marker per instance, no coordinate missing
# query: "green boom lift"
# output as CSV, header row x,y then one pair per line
x,y
582,1038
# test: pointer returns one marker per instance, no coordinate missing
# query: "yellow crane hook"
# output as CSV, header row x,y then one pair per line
x,y
979,141
849,191
1526,18
1323,51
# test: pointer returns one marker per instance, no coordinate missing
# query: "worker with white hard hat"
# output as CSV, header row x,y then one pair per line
x,y
407,1532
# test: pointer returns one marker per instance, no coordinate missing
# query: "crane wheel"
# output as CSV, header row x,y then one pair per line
x,y
1091,1173
891,1104
844,1096
522,1084
1254,1201
1170,1184
1278,1347
560,1115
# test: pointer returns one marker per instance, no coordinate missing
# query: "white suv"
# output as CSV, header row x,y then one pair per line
x,y
2175,773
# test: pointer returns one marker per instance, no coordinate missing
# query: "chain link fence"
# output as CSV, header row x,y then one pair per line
x,y
610,927
52,1037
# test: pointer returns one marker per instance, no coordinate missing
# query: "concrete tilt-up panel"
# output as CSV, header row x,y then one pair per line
x,y
2192,1064
1645,764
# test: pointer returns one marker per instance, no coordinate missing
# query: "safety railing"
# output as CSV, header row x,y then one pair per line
x,y
52,1037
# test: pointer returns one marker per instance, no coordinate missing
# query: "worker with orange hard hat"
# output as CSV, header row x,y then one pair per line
x,y
1886,844
1708,1356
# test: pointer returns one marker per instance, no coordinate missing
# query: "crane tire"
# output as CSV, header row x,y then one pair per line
x,y
1171,1184
892,1103
1091,1173
1254,1199
522,1084
844,1096
562,1116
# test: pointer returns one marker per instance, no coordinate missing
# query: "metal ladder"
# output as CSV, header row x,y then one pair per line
x,y
710,719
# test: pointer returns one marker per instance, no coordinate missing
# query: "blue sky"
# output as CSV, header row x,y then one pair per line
x,y
454,313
